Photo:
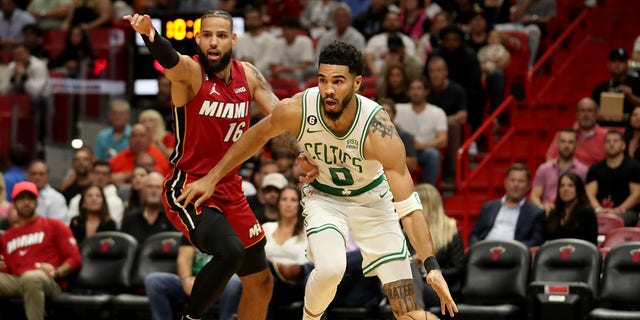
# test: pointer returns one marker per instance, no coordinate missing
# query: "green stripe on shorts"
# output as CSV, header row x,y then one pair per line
x,y
386,258
326,227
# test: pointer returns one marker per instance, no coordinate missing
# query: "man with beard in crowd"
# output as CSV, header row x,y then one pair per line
x,y
212,94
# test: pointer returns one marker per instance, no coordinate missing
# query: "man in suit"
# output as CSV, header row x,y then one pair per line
x,y
512,217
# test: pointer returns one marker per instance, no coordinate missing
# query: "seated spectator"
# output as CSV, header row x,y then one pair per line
x,y
51,203
447,243
168,292
162,139
512,217
397,55
132,194
272,185
450,97
257,201
478,33
620,82
115,138
377,49
531,17
431,38
428,124
292,55
412,16
545,183
93,215
590,148
76,59
393,84
4,204
368,21
139,142
90,14
632,134
407,139
12,20
33,41
50,13
613,184
572,215
100,176
317,16
80,176
15,172
342,30
464,68
31,269
150,219
256,42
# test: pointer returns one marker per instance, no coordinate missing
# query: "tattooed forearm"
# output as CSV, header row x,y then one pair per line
x,y
264,85
401,296
381,123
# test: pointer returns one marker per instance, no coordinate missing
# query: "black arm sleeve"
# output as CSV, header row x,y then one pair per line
x,y
162,51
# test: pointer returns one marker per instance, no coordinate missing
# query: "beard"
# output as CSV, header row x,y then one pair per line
x,y
336,114
211,68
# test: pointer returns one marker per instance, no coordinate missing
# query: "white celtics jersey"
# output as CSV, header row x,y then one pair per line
x,y
340,159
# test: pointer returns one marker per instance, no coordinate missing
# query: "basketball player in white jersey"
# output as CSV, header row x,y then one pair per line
x,y
361,169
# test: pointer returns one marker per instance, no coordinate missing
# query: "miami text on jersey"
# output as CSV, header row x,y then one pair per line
x,y
229,110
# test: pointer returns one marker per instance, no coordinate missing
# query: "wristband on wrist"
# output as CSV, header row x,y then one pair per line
x,y
431,264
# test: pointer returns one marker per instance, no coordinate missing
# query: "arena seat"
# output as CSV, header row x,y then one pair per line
x,y
619,298
495,281
621,235
158,253
107,261
607,222
564,281
285,84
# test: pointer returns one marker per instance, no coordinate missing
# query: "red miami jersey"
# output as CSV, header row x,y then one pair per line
x,y
215,118
205,129
43,240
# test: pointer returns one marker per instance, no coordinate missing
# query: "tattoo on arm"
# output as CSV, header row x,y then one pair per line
x,y
287,139
401,296
381,123
264,85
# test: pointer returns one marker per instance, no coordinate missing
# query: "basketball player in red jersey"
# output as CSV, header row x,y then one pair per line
x,y
212,95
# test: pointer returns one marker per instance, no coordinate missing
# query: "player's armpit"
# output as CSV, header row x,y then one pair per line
x,y
401,296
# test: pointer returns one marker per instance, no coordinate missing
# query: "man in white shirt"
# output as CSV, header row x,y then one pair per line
x,y
428,124
377,49
292,55
51,203
343,30
100,176
256,42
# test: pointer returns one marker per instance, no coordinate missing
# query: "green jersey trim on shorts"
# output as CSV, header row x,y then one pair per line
x,y
354,124
326,227
401,255
344,192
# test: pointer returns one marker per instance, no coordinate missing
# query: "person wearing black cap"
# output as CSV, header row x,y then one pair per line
x,y
621,82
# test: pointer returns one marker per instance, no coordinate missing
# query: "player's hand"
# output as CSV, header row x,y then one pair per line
x,y
436,281
310,170
141,24
199,190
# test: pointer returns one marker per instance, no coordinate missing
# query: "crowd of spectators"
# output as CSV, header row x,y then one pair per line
x,y
438,64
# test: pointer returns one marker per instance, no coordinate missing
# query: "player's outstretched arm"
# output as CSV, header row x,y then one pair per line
x,y
285,117
392,158
176,66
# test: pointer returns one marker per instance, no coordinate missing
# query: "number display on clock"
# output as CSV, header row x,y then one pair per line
x,y
180,29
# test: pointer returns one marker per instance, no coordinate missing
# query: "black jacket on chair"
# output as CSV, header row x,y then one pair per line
x,y
529,228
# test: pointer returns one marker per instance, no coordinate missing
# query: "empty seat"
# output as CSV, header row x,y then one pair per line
x,y
607,222
495,281
107,260
565,280
621,235
619,298
157,254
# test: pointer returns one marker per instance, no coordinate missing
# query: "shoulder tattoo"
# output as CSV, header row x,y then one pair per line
x,y
382,124
263,84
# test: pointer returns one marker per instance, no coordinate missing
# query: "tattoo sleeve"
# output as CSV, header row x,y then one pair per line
x,y
382,124
401,296
264,85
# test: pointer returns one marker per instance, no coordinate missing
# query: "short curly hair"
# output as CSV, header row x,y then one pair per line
x,y
343,54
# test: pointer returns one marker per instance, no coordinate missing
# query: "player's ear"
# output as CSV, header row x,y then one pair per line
x,y
198,38
357,83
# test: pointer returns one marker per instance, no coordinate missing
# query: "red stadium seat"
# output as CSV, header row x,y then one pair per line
x,y
621,235
368,88
311,82
54,41
288,85
607,222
